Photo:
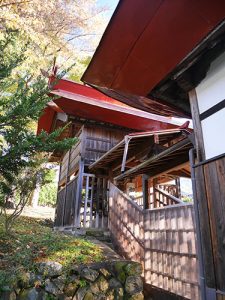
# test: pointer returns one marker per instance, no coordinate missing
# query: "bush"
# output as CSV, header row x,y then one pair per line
x,y
48,194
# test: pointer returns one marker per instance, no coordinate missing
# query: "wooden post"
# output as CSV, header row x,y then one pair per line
x,y
197,125
78,194
67,181
177,181
154,192
58,189
203,196
145,189
127,140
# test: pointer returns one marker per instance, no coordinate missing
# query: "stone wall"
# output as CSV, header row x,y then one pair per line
x,y
108,280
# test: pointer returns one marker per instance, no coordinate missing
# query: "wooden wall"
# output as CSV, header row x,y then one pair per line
x,y
97,141
93,142
162,239
73,208
66,210
210,181
210,187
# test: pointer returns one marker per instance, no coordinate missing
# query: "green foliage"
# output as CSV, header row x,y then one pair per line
x,y
82,282
33,243
83,65
12,53
187,199
18,110
22,101
48,176
48,194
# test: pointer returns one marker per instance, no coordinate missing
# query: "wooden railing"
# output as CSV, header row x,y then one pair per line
x,y
126,223
162,239
139,201
162,198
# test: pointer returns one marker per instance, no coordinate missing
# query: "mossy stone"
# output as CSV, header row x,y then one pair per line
x,y
89,296
103,284
119,294
119,266
138,296
133,268
105,273
94,287
121,276
70,289
100,296
133,285
110,295
89,274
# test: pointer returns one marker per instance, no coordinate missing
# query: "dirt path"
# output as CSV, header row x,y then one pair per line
x,y
39,212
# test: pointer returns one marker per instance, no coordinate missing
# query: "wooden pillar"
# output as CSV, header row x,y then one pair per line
x,y
58,189
145,190
204,207
178,194
154,192
78,196
67,181
197,125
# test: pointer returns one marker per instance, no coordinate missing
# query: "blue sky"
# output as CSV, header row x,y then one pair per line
x,y
111,4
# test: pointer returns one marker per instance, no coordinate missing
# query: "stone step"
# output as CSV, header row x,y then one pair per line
x,y
99,234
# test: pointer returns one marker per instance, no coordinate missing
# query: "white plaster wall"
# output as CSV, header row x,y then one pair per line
x,y
210,92
212,89
213,129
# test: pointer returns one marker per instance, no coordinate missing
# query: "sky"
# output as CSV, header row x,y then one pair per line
x,y
109,3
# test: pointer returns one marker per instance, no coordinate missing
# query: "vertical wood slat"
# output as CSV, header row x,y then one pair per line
x,y
70,202
59,208
86,200
163,238
94,209
67,181
174,265
214,176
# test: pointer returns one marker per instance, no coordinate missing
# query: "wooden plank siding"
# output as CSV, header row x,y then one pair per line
x,y
91,209
92,143
97,141
162,239
70,203
59,208
210,180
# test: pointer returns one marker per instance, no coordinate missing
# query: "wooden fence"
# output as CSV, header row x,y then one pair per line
x,y
67,205
162,239
82,203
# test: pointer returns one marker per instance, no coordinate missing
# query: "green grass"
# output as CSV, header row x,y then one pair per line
x,y
32,243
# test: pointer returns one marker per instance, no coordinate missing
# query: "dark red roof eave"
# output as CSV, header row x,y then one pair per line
x,y
144,41
86,103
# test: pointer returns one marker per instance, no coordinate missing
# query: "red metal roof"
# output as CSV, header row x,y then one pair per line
x,y
144,41
85,102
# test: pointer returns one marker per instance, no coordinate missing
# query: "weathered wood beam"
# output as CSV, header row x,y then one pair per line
x,y
199,143
155,158
145,190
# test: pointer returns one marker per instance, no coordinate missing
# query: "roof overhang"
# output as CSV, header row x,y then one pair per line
x,y
174,156
149,44
131,147
86,103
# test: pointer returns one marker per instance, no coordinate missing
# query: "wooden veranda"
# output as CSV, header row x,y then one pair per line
x,y
151,224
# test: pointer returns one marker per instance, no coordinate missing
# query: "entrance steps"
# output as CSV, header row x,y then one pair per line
x,y
91,233
100,237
